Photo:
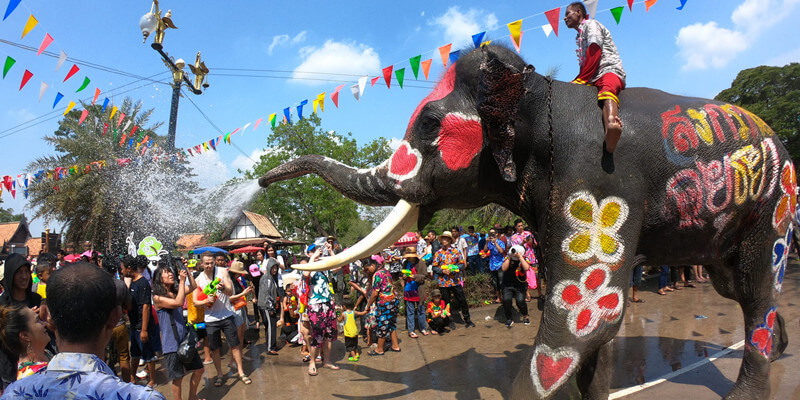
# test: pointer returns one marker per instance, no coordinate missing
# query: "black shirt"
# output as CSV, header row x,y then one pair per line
x,y
515,276
140,295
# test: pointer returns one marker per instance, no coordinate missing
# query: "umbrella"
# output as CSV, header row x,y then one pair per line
x,y
247,249
409,239
72,257
212,249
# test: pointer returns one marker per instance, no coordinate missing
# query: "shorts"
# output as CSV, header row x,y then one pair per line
x,y
175,369
121,338
146,350
387,318
228,327
608,87
636,276
351,343
323,323
240,317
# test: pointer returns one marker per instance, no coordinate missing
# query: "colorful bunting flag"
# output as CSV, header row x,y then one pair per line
x,y
400,74
426,67
630,5
287,117
272,120
362,83
84,84
25,78
59,96
105,128
97,93
32,22
12,5
42,88
69,107
617,13
516,32
477,39
72,71
61,58
683,4
84,114
315,103
45,42
245,127
454,56
105,104
648,4
517,43
414,61
133,131
486,43
387,76
113,111
444,51
547,30
553,16
591,7
300,109
354,91
9,63
321,100
375,79
257,123
335,94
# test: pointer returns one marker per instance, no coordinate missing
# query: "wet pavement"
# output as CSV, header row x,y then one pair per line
x,y
659,341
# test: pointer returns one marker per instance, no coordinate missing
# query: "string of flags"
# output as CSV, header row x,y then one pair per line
x,y
446,53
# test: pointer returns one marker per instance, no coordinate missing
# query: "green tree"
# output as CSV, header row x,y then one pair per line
x,y
308,207
772,93
7,214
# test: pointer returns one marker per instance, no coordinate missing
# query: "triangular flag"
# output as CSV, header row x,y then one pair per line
x,y
135,127
69,107
375,79
515,28
25,78
300,109
29,25
211,142
227,138
42,88
362,83
84,85
59,96
547,30
426,67
9,63
683,4
45,42
517,42
617,13
335,94
121,117
84,114
72,71
245,127
354,90
648,4
105,104
97,93
486,43
553,18
591,7
105,128
12,5
257,123
315,103
61,58
444,51
414,61
387,76
400,74
321,100
477,39
272,120
630,5
125,128
288,117
454,56
113,111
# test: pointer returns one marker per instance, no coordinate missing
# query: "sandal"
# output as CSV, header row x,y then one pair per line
x,y
245,379
312,371
218,381
638,300
395,350
374,353
331,366
413,335
306,359
424,333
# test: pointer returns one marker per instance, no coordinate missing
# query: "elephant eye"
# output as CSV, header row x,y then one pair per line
x,y
429,123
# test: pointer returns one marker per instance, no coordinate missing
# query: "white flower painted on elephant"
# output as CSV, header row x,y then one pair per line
x,y
595,235
550,368
590,301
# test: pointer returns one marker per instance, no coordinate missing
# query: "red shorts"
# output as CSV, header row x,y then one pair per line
x,y
608,87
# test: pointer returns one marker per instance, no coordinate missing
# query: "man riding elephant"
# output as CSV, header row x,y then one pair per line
x,y
697,182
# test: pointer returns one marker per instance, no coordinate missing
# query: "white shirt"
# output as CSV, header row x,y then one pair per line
x,y
219,310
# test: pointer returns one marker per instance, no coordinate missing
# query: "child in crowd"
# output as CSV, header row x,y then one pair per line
x,y
351,329
438,313
411,295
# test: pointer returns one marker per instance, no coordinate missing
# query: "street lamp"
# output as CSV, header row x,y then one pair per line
x,y
154,23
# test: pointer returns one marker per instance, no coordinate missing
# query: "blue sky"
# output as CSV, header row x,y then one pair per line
x,y
697,52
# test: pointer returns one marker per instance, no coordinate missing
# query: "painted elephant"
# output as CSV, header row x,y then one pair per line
x,y
693,181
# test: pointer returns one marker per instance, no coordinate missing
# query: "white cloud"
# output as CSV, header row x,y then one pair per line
x,y
460,26
337,57
284,39
243,163
704,46
394,143
209,168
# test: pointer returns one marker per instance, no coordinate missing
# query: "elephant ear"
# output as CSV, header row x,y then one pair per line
x,y
500,90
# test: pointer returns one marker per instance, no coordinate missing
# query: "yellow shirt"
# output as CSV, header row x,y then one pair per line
x,y
194,315
350,328
40,290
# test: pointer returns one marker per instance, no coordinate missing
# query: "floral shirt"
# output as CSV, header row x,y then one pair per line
x,y
518,238
77,376
320,289
382,282
496,254
451,256
591,32
437,310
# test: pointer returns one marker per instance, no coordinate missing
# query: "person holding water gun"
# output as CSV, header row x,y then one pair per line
x,y
448,263
415,313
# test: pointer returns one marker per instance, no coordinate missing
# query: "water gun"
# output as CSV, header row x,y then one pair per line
x,y
34,277
451,268
210,289
484,253
199,325
407,272
427,258
192,263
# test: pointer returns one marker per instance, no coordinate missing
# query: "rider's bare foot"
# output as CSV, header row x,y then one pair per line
x,y
613,133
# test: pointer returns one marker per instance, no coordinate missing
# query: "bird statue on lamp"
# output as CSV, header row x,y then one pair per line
x,y
200,71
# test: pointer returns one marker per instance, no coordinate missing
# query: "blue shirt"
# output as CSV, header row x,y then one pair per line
x,y
77,376
496,255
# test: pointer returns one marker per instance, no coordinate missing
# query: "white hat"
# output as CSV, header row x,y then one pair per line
x,y
518,249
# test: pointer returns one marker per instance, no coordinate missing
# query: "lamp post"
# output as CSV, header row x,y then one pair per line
x,y
154,22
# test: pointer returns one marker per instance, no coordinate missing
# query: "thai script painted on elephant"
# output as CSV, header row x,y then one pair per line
x,y
551,367
761,336
590,301
780,256
705,125
784,210
750,172
595,236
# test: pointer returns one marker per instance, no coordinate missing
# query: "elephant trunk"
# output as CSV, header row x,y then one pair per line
x,y
366,186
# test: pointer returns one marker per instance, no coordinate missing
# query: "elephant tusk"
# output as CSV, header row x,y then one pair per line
x,y
402,218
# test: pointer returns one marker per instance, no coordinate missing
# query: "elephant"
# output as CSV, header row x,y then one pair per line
x,y
692,181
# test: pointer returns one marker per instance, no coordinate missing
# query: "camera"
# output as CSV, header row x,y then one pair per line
x,y
513,251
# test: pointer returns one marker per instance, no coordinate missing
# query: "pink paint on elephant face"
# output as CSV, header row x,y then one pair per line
x,y
460,140
405,162
441,91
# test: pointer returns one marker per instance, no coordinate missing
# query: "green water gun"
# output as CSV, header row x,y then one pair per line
x,y
200,325
451,268
407,272
211,288
34,277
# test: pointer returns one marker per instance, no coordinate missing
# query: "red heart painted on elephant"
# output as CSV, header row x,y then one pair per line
x,y
771,319
460,140
609,301
595,279
583,319
550,370
571,294
404,162
761,338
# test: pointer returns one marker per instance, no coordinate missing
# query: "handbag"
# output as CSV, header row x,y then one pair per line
x,y
531,275
187,348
